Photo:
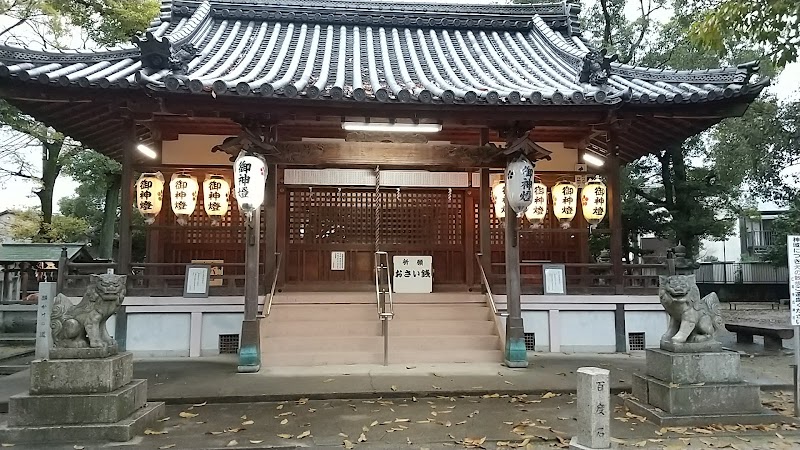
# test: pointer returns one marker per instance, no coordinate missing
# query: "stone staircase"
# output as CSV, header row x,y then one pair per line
x,y
324,328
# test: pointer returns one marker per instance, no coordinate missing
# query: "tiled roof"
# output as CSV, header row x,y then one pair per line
x,y
26,252
373,51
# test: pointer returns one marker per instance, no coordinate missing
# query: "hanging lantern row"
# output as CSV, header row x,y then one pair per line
x,y
565,202
183,189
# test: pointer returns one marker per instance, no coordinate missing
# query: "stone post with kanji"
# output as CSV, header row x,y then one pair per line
x,y
594,410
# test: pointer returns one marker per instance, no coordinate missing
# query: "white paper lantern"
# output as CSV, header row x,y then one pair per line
x,y
565,196
519,184
499,198
250,179
593,199
183,190
538,207
150,195
215,197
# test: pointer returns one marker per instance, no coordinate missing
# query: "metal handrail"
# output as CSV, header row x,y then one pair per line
x,y
268,306
485,281
384,314
381,294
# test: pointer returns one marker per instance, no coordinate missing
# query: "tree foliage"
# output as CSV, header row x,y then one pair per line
x,y
105,22
786,224
772,24
28,226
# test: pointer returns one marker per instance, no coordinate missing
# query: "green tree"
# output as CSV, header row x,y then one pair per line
x,y
771,24
98,196
28,226
787,224
106,22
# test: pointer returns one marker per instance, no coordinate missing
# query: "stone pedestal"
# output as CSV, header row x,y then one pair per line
x,y
594,410
682,389
81,400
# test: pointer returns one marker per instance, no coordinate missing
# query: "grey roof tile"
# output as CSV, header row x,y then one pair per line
x,y
374,51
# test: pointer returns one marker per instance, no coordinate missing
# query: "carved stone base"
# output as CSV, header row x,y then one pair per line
x,y
83,353
691,347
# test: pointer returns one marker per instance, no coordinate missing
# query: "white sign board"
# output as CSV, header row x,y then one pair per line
x,y
554,280
793,249
412,274
44,336
337,260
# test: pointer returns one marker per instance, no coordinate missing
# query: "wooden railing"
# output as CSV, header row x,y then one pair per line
x,y
584,278
156,279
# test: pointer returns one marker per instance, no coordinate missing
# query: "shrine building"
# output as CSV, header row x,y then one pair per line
x,y
385,130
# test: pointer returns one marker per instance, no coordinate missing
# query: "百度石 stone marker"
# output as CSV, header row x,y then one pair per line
x,y
594,410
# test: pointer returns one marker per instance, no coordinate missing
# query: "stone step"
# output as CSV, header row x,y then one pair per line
x,y
272,328
121,431
368,297
64,409
406,357
375,344
282,313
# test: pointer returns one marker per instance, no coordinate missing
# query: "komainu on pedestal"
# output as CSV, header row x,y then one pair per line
x,y
691,380
693,321
84,391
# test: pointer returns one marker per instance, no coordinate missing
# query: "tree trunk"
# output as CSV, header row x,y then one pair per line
x,y
50,170
110,216
684,203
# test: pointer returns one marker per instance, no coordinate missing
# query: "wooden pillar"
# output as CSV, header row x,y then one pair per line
x,y
615,212
5,292
515,354
484,221
250,340
126,205
469,236
63,270
270,225
23,280
282,221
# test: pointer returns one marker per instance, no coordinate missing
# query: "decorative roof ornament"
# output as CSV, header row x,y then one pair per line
x,y
159,53
596,67
745,71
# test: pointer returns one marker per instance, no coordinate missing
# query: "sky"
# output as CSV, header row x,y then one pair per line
x,y
18,193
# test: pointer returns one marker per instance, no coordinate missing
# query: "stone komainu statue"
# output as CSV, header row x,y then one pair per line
x,y
84,325
692,319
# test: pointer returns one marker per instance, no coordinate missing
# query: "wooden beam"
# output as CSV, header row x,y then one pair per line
x,y
126,205
615,211
389,155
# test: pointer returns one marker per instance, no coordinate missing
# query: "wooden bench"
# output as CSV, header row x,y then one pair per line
x,y
773,334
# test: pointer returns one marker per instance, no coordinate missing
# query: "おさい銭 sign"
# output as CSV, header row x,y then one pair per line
x,y
412,274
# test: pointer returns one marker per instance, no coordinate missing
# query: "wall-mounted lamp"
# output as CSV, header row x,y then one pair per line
x,y
393,127
147,151
591,158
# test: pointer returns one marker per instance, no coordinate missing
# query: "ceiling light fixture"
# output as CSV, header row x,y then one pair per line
x,y
593,159
147,151
393,127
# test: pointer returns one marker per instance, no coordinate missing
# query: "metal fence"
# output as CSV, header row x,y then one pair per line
x,y
742,273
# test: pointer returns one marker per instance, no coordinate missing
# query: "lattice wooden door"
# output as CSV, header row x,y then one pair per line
x,y
413,222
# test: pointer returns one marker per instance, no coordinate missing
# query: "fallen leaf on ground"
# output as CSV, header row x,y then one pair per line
x,y
435,387
153,432
187,415
255,442
401,420
373,423
279,407
302,401
312,410
304,434
284,421
163,447
248,422
328,380
362,438
78,447
285,436
164,419
550,395
347,444
779,435
200,404
343,435
394,388
232,443
508,382
640,444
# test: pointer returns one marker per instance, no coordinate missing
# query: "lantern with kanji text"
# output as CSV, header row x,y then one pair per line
x,y
250,179
499,199
150,195
538,207
183,190
519,184
593,200
215,197
565,196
